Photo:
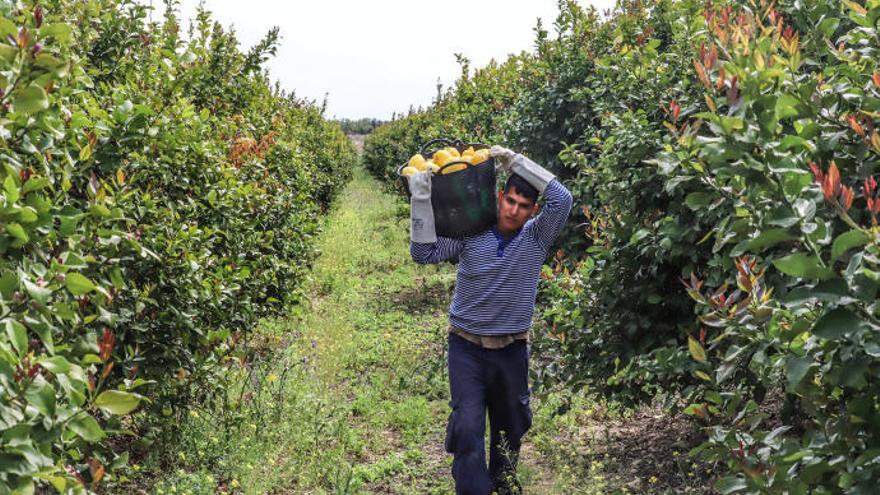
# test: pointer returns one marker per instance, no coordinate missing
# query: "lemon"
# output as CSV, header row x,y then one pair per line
x,y
454,168
442,157
434,167
480,156
407,171
468,152
417,162
452,151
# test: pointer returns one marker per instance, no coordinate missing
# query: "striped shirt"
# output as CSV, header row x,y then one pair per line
x,y
497,279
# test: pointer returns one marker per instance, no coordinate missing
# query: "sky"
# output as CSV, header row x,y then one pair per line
x,y
373,58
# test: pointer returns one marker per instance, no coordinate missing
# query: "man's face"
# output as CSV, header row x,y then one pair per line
x,y
514,210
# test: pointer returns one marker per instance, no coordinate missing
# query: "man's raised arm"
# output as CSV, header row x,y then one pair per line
x,y
441,250
424,245
557,199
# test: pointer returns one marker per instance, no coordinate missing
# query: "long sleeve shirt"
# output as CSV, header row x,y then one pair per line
x,y
497,279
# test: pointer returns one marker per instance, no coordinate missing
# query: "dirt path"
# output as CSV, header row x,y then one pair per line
x,y
375,333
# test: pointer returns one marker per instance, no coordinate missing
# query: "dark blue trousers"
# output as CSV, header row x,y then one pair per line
x,y
482,380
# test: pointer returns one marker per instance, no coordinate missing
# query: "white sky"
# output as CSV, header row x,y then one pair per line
x,y
379,56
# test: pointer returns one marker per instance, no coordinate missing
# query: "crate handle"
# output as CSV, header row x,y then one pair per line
x,y
449,142
454,162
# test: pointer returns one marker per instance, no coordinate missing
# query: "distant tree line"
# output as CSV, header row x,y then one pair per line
x,y
360,126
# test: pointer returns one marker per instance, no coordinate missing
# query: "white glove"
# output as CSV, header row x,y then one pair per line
x,y
422,228
503,157
533,173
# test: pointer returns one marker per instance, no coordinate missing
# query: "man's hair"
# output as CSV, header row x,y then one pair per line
x,y
522,187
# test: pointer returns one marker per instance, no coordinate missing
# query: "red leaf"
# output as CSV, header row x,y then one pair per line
x,y
817,172
856,126
846,197
106,342
870,186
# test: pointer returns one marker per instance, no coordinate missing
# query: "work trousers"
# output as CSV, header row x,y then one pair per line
x,y
481,380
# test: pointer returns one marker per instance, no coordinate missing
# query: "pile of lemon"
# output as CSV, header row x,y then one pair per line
x,y
441,157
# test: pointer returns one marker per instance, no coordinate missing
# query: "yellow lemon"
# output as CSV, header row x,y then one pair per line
x,y
468,152
442,157
407,171
434,167
454,168
467,158
452,151
480,156
417,162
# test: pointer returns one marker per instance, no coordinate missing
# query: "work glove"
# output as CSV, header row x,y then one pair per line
x,y
515,163
503,157
421,213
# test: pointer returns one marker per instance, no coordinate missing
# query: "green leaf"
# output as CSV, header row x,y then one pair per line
x,y
59,30
86,427
31,99
803,266
8,284
48,62
85,152
33,184
796,368
17,334
828,26
837,323
58,482
697,351
846,241
55,364
43,329
797,456
702,375
40,294
730,484
8,53
41,395
769,238
786,106
24,485
78,284
7,28
11,189
117,402
697,200
853,374
639,235
834,291
17,231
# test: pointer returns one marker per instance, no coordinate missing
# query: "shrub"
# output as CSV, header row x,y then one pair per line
x,y
158,198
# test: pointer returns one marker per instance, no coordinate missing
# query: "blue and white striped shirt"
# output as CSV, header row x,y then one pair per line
x,y
497,281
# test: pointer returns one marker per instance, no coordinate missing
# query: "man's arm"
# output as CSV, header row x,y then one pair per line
x,y
425,246
557,199
551,220
435,252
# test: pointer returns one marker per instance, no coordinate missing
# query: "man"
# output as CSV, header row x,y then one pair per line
x,y
490,317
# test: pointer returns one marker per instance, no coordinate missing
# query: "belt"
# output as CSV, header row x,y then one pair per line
x,y
489,341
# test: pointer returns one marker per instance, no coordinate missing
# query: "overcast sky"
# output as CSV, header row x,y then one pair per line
x,y
379,56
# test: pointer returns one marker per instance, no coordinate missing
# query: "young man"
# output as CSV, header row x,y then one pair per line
x,y
490,317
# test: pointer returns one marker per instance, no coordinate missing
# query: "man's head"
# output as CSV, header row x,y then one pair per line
x,y
516,205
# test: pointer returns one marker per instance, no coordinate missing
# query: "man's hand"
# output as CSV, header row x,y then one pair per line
x,y
420,185
509,161
503,157
421,217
